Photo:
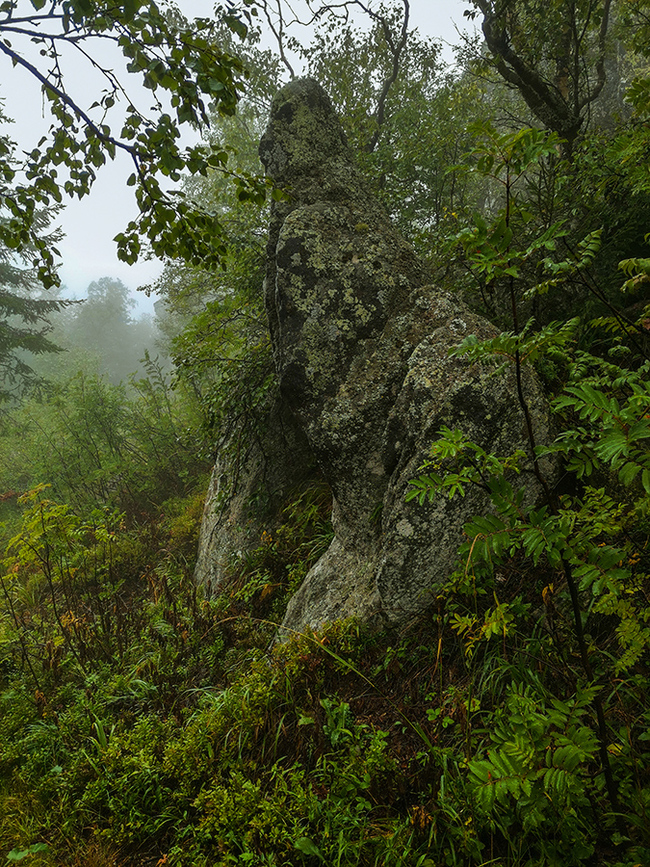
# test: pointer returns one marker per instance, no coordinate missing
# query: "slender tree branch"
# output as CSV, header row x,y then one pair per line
x,y
72,105
396,52
278,32
601,75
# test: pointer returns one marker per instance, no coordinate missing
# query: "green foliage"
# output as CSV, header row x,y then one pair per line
x,y
272,572
151,754
143,723
520,239
213,322
546,766
66,565
173,57
224,355
539,754
100,333
405,115
130,704
24,310
554,55
95,443
20,854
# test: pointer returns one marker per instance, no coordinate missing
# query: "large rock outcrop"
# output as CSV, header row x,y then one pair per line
x,y
361,347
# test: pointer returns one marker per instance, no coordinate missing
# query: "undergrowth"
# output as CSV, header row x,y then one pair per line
x,y
174,731
144,724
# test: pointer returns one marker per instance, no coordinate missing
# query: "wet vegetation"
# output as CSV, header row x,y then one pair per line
x,y
143,723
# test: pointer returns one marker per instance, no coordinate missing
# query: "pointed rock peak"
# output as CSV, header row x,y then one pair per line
x,y
304,132
362,350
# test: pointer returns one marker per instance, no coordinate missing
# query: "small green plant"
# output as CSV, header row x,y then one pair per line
x,y
21,854
537,772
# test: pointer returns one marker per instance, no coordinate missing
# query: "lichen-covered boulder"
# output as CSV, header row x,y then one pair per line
x,y
361,346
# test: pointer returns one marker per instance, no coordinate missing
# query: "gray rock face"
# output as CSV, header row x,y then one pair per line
x,y
361,348
250,483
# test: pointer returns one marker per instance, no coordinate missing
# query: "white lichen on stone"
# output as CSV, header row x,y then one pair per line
x,y
404,528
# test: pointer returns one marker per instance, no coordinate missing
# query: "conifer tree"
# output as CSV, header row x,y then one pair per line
x,y
24,311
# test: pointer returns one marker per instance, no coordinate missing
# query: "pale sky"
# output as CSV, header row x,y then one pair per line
x,y
90,225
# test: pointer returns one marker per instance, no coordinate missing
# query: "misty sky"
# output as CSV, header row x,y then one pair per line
x,y
90,225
